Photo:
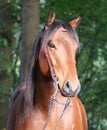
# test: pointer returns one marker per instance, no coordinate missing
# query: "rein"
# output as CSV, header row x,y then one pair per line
x,y
52,98
64,110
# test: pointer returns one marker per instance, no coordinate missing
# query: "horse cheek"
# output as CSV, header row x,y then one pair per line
x,y
44,67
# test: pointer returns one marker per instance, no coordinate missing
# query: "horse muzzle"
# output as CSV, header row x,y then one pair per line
x,y
67,90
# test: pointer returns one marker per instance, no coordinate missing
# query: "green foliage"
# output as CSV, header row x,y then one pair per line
x,y
10,20
3,42
91,61
10,34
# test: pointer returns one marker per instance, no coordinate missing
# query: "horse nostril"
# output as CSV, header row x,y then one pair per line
x,y
67,87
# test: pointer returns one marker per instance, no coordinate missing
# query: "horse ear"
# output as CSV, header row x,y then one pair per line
x,y
76,22
51,18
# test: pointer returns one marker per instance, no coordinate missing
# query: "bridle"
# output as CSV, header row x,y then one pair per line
x,y
53,97
52,100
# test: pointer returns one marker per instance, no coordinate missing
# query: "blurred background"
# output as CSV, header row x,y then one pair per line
x,y
20,22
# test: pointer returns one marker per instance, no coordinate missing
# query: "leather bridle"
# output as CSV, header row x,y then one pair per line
x,y
53,97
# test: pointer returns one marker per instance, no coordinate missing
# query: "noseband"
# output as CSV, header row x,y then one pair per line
x,y
53,97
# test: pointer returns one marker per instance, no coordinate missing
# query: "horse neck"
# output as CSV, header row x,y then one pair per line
x,y
43,90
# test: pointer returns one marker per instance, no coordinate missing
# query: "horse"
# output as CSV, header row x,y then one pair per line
x,y
48,99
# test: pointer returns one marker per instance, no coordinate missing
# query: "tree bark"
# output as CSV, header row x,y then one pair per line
x,y
30,23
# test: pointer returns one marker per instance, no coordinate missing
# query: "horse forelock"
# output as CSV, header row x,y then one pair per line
x,y
54,27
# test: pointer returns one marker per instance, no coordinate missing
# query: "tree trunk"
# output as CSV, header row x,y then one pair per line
x,y
30,23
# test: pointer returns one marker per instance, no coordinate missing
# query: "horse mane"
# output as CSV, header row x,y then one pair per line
x,y
42,38
31,73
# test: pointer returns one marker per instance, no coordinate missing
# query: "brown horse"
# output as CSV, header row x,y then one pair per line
x,y
48,99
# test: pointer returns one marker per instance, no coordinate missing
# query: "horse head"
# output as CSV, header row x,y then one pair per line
x,y
57,54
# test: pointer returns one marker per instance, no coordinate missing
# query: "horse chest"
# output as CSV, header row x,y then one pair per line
x,y
71,119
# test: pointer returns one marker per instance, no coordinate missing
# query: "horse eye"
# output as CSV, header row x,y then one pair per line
x,y
52,45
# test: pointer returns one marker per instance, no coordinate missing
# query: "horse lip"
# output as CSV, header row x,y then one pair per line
x,y
71,93
66,94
